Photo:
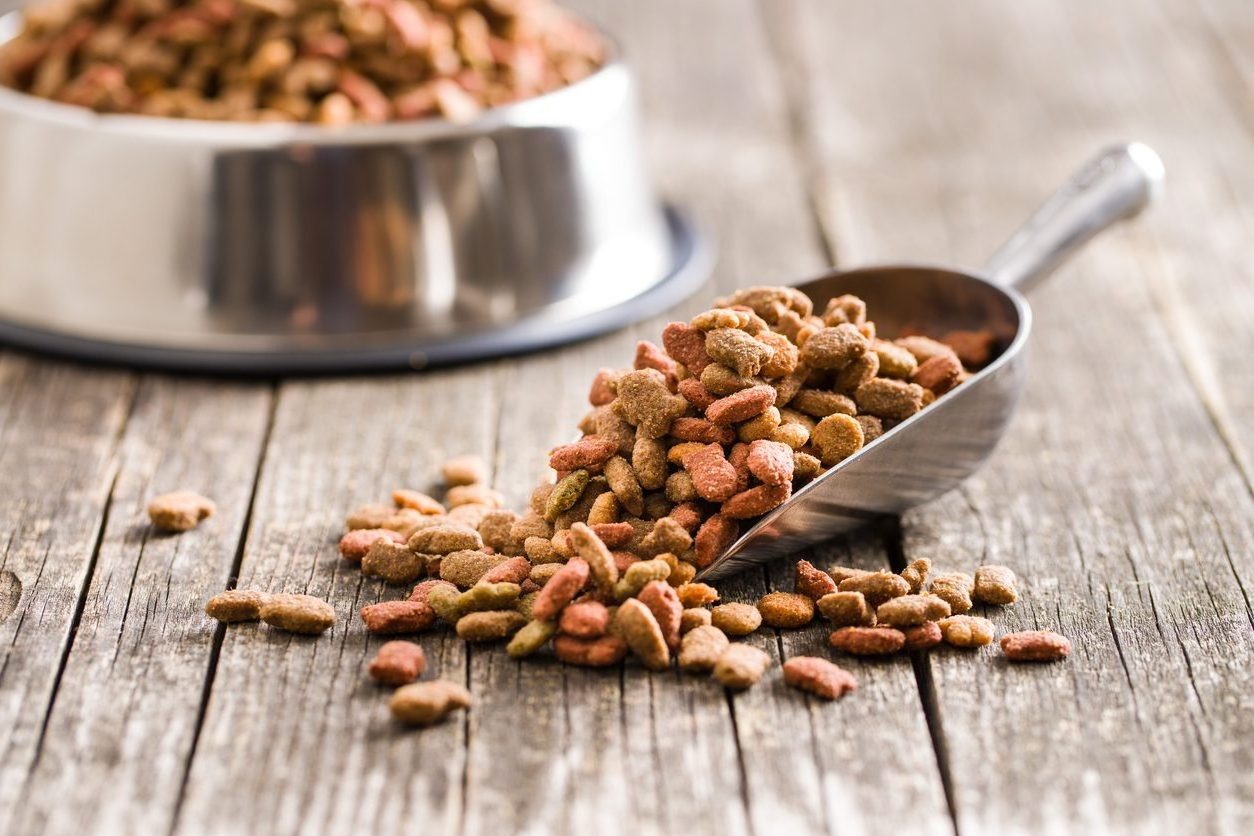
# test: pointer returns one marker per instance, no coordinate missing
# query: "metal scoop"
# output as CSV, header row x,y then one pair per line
x,y
934,450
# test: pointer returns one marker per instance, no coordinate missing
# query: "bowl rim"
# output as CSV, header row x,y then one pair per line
x,y
580,102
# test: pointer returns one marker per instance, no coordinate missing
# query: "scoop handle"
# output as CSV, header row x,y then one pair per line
x,y
1115,185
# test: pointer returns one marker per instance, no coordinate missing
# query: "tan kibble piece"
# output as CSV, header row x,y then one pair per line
x,y
179,511
736,619
496,529
737,350
701,648
625,487
540,550
812,582
445,538
646,402
868,641
236,605
473,495
418,501
895,361
820,403
994,585
924,348
648,461
847,609
426,703
967,631
298,613
692,618
393,562
847,308
955,589
837,437
834,348
805,466
741,666
721,318
843,573
786,610
635,624
916,573
911,610
464,470
465,568
886,398
697,594
601,565
637,575
491,625
878,587
872,428
795,436
1035,646
605,509
667,536
858,372
723,381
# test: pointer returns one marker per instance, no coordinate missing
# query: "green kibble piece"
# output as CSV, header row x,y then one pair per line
x,y
488,596
489,626
566,493
525,603
638,575
446,601
533,636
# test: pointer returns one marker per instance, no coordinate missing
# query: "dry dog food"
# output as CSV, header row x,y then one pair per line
x,y
490,625
179,511
847,609
275,60
967,631
636,625
868,641
236,605
994,585
397,617
297,613
911,610
355,544
426,703
397,663
787,610
741,666
736,620
1035,646
819,676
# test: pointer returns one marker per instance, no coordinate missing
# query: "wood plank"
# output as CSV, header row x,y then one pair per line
x,y
1113,495
121,730
59,427
295,733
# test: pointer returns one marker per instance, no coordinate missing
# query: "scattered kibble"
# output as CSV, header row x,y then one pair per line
x,y
1035,646
967,631
397,663
741,666
297,613
236,605
819,676
179,511
426,703
994,585
736,619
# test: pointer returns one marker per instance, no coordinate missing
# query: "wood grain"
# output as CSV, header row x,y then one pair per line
x,y
123,723
1113,496
59,427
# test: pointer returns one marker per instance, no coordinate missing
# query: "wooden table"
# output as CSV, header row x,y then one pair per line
x,y
802,133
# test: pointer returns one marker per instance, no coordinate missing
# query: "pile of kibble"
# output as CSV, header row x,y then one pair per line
x,y
707,432
327,61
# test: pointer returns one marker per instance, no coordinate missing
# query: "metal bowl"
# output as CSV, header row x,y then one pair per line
x,y
276,248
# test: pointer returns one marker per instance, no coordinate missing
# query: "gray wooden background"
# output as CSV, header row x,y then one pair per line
x,y
802,133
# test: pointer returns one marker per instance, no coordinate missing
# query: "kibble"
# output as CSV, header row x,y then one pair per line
x,y
967,631
236,605
490,625
180,511
397,617
955,589
911,610
736,620
397,663
741,666
786,610
868,641
1035,646
635,624
994,585
847,609
819,677
393,562
297,613
427,703
876,587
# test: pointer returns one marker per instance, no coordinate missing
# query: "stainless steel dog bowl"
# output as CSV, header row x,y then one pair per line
x,y
274,248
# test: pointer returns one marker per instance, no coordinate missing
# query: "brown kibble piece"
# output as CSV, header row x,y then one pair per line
x,y
967,631
445,538
741,406
756,501
819,677
868,641
940,374
467,568
687,345
955,588
737,350
786,610
911,610
626,487
489,625
994,585
464,470
812,582
847,609
647,403
713,477
473,495
878,587
393,562
236,605
895,361
715,535
736,619
821,403
601,565
974,348
635,624
886,398
741,666
294,613
1035,646
834,348
697,594
396,617
591,451
179,511
397,663
916,574
426,703
663,602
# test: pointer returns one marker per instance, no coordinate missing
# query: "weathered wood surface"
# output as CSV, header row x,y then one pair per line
x,y
801,132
